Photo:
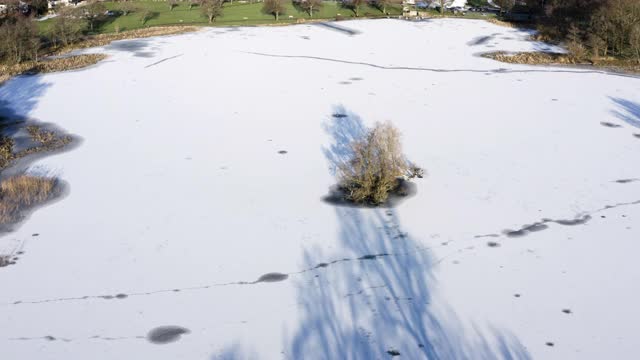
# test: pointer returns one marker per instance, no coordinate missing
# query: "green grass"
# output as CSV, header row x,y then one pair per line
x,y
234,14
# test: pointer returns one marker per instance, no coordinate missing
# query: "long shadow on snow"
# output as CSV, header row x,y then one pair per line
x,y
380,305
629,113
19,96
344,127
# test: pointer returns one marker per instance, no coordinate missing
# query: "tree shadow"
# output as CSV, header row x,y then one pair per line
x,y
18,97
138,47
373,297
629,111
343,127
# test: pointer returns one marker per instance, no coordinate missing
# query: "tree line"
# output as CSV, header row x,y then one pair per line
x,y
590,28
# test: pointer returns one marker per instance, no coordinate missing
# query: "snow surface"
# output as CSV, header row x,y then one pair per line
x,y
180,201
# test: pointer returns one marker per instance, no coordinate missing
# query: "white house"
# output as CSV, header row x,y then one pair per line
x,y
58,3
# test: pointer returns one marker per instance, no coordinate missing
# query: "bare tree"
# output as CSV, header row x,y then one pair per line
x,y
376,166
19,40
273,7
128,7
354,5
93,12
67,28
505,5
212,9
146,15
634,40
442,4
383,4
574,43
172,4
310,5
615,23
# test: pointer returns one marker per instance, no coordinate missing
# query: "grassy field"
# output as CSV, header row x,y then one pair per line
x,y
234,14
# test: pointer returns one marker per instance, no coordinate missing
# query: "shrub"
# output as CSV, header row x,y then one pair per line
x,y
6,151
41,136
377,166
23,191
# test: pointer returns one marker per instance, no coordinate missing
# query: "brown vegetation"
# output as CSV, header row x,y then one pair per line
x,y
6,151
105,39
274,7
19,40
45,140
531,58
544,58
211,9
376,167
20,192
591,28
49,65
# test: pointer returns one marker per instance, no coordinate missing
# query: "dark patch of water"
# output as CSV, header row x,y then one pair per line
x,y
626,181
166,334
609,125
272,277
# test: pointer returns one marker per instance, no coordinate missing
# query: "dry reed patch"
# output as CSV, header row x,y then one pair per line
x,y
49,65
502,23
545,58
6,151
23,191
532,58
105,39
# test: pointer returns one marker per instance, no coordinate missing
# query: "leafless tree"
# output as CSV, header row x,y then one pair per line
x,y
616,24
310,5
172,4
146,15
575,44
274,7
382,5
93,12
127,7
19,40
505,5
442,4
212,9
354,5
634,41
376,166
67,28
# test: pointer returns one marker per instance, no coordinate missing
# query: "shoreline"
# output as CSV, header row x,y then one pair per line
x,y
19,166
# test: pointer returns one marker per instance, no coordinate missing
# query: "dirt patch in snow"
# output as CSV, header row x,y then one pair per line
x,y
50,65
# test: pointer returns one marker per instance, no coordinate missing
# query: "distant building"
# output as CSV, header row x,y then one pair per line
x,y
58,3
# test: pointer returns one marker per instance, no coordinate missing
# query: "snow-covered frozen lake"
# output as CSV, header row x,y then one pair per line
x,y
182,210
